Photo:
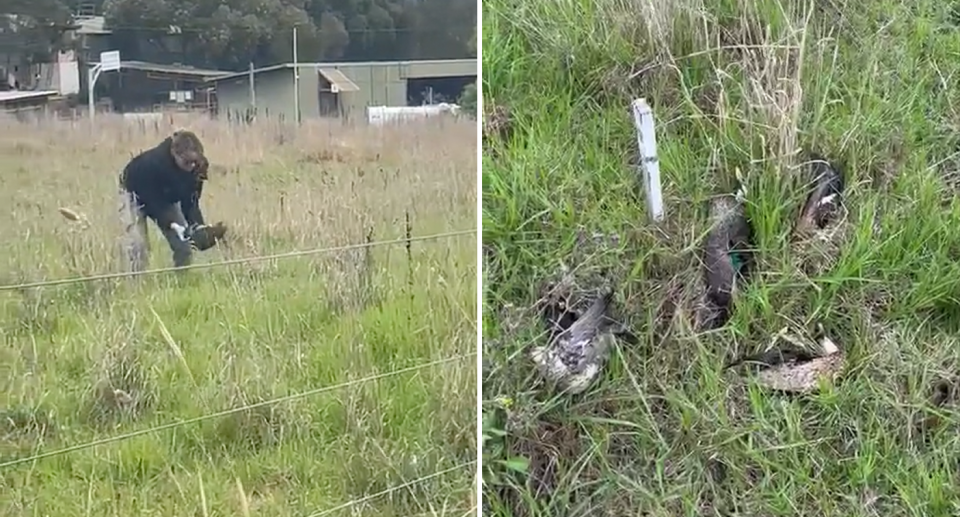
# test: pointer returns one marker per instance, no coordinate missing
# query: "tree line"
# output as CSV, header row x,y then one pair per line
x,y
229,34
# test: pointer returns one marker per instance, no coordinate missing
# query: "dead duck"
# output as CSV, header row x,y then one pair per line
x,y
573,357
556,313
795,370
558,317
204,237
825,199
725,257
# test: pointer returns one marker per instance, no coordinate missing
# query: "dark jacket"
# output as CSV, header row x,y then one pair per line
x,y
158,183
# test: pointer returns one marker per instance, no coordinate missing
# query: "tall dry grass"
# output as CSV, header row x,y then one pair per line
x,y
324,184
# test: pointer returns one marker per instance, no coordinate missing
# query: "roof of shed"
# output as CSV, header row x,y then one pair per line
x,y
16,95
171,69
336,65
341,82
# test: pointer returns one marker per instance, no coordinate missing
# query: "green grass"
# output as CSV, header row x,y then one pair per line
x,y
186,346
735,85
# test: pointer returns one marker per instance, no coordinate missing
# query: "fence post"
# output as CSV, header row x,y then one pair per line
x,y
649,167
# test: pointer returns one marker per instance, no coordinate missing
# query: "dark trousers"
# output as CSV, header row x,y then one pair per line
x,y
136,240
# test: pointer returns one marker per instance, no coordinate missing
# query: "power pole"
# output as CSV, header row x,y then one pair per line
x,y
296,78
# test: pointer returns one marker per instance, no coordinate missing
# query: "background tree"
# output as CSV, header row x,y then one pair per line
x,y
34,29
228,34
210,33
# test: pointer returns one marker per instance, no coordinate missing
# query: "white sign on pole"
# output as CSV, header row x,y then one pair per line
x,y
110,60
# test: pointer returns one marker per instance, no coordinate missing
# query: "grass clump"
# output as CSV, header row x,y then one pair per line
x,y
738,87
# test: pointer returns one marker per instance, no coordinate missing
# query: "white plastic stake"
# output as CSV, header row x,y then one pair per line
x,y
649,163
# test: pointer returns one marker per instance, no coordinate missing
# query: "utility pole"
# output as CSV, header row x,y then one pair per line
x,y
296,78
253,94
253,88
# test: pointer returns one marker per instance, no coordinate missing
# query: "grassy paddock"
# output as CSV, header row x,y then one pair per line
x,y
89,361
734,84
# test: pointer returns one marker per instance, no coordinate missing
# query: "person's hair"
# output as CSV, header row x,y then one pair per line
x,y
187,150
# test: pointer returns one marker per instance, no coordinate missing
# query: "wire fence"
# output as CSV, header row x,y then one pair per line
x,y
231,411
211,416
461,512
392,489
237,261
278,400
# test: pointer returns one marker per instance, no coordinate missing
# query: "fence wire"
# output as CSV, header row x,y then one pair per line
x,y
391,490
240,409
233,262
211,416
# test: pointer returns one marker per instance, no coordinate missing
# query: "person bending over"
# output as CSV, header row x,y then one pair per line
x,y
164,184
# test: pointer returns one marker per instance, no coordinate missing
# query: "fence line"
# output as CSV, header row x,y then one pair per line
x,y
462,512
391,490
226,412
451,511
232,262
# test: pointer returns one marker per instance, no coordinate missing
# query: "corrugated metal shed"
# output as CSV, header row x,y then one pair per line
x,y
343,89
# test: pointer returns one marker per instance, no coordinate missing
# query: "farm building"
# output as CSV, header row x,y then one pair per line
x,y
141,86
341,89
13,101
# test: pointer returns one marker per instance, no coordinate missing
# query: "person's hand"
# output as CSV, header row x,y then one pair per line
x,y
181,231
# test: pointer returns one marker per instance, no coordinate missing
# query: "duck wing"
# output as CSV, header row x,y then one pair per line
x,y
729,234
775,357
578,345
825,197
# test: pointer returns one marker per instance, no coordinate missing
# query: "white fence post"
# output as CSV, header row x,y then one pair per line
x,y
649,166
